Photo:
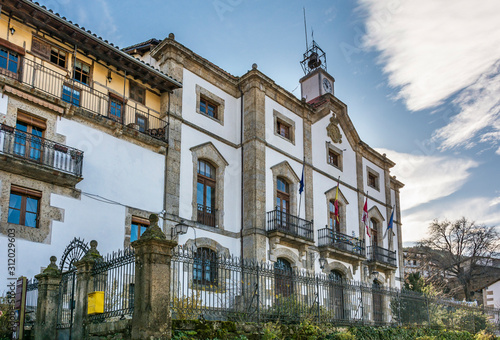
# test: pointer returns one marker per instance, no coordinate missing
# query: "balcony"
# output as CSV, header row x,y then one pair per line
x,y
382,257
341,242
289,228
206,215
90,103
33,156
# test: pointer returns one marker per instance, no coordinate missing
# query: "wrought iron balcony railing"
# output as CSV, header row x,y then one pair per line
x,y
379,254
329,238
206,215
39,150
80,95
291,225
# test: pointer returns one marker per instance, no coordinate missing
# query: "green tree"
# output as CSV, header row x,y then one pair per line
x,y
461,251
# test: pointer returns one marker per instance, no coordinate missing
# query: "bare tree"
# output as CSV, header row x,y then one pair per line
x,y
461,250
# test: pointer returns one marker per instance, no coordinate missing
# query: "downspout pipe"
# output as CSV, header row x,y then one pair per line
x,y
165,180
241,191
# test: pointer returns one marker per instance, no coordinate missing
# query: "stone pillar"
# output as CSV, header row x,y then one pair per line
x,y
84,285
254,170
48,301
152,317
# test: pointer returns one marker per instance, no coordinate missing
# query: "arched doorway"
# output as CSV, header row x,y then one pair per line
x,y
337,294
283,278
378,312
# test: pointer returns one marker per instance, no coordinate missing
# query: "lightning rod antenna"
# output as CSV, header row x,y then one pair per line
x,y
305,27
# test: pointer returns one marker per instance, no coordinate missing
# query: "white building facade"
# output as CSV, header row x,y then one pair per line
x,y
182,138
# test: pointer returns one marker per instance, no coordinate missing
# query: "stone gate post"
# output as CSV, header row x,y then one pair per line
x,y
84,285
48,301
152,317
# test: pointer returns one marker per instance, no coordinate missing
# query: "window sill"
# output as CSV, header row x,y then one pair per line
x,y
284,138
212,118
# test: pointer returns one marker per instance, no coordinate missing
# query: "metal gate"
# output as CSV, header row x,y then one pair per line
x,y
67,288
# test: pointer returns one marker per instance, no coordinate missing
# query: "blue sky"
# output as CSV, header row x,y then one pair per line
x,y
421,79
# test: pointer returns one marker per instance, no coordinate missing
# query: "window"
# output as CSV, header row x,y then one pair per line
x,y
58,57
333,158
24,206
283,129
28,139
374,231
116,109
82,72
333,222
209,104
373,179
205,266
138,227
205,196
141,121
284,126
208,108
71,95
9,60
137,93
51,53
282,195
283,277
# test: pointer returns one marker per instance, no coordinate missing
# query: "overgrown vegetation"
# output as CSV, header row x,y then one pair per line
x,y
307,330
5,331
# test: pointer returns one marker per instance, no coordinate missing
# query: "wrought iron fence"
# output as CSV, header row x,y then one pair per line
x,y
214,287
379,254
40,150
278,220
329,238
81,95
115,276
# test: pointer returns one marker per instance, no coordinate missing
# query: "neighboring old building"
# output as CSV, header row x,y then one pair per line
x,y
221,153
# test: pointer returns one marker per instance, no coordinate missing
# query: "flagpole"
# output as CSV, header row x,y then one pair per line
x,y
300,202
301,188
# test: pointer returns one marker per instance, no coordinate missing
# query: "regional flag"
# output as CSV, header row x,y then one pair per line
x,y
365,217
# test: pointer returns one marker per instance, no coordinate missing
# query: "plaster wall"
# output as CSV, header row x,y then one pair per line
x,y
232,177
377,194
229,129
296,148
320,152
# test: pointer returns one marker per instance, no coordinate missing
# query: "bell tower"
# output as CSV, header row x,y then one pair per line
x,y
316,81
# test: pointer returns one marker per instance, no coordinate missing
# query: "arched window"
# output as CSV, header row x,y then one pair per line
x,y
282,203
332,221
337,294
205,266
283,277
282,195
374,225
205,193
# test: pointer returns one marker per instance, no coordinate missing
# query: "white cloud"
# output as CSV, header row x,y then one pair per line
x,y
428,178
479,115
479,209
433,48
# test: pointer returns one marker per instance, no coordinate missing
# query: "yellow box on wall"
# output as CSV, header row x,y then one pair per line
x,y
95,303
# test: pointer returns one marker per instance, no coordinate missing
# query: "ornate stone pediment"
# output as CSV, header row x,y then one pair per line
x,y
333,130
